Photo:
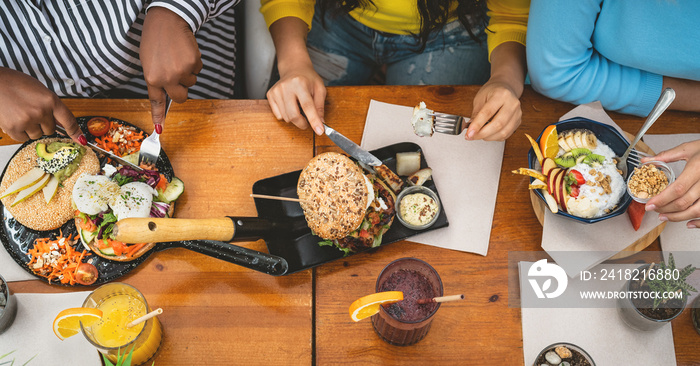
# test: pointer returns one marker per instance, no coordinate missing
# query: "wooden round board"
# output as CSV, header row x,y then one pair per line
x,y
539,207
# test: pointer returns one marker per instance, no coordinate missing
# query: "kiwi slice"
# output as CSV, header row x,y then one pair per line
x,y
594,159
567,160
580,151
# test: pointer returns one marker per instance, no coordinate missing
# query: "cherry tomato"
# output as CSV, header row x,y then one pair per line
x,y
87,274
98,126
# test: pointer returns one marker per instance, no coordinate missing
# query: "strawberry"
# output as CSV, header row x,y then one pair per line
x,y
636,213
574,191
580,180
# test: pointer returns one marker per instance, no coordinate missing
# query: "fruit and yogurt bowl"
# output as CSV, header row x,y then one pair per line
x,y
573,170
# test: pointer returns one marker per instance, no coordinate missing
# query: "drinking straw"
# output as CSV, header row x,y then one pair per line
x,y
441,299
145,317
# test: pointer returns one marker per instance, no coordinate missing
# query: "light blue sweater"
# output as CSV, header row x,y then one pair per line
x,y
615,51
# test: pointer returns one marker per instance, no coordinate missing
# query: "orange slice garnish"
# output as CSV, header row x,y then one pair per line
x,y
67,322
549,143
367,306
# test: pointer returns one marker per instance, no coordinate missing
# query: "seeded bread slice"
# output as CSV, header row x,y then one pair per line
x,y
34,212
334,195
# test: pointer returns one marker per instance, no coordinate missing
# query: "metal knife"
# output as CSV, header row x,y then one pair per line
x,y
352,148
94,146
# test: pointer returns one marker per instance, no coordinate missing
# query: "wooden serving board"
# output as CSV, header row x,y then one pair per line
x,y
539,207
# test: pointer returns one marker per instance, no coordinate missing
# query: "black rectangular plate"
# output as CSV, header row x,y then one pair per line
x,y
300,248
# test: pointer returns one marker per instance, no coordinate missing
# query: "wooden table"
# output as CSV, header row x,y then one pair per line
x,y
219,313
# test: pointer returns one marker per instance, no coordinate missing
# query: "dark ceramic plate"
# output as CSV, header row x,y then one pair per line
x,y
604,133
300,247
18,239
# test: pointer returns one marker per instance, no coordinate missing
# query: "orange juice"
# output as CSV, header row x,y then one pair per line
x,y
120,305
117,312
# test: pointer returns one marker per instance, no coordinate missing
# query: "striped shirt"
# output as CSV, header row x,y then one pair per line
x,y
81,48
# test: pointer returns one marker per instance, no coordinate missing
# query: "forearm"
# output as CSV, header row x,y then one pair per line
x,y
687,94
289,37
508,65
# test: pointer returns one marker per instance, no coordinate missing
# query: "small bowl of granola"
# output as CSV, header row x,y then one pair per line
x,y
648,180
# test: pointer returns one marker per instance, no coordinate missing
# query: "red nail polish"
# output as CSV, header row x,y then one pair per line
x,y
82,140
159,129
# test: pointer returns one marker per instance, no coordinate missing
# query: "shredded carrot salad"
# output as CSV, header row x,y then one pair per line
x,y
56,259
121,140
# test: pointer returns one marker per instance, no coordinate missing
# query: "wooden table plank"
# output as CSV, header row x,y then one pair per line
x,y
216,312
482,329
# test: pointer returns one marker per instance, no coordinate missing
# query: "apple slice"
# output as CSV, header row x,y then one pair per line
x,y
25,181
551,202
550,179
562,192
28,192
558,177
51,188
547,165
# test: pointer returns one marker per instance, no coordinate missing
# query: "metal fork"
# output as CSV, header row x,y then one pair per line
x,y
636,156
450,124
667,96
150,146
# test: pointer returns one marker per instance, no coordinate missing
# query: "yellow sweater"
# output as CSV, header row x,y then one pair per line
x,y
508,18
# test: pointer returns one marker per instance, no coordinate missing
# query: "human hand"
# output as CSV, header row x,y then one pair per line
x,y
30,110
171,60
680,200
498,103
299,86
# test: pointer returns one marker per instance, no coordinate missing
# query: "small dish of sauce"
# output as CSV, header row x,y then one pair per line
x,y
418,207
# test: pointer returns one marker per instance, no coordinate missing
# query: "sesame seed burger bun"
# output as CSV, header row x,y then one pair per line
x,y
334,195
34,212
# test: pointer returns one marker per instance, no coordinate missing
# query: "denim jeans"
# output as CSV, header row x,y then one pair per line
x,y
346,52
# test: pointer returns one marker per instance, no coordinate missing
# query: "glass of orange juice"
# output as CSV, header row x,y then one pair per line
x,y
121,304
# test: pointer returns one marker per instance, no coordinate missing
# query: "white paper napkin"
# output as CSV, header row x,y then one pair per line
x,y
466,174
31,334
595,242
9,269
599,331
676,237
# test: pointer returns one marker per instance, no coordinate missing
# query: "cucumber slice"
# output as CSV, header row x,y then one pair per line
x,y
107,251
172,191
86,237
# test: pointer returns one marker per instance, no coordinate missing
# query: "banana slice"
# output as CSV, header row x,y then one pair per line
x,y
590,140
569,136
562,142
577,139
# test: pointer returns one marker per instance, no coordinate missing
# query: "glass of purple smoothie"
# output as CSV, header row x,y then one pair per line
x,y
406,322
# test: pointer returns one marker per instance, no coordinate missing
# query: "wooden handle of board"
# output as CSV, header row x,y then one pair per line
x,y
155,230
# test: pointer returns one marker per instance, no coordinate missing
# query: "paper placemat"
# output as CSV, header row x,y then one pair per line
x,y
596,242
9,269
676,237
599,331
466,174
31,335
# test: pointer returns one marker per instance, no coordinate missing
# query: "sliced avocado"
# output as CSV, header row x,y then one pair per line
x,y
42,152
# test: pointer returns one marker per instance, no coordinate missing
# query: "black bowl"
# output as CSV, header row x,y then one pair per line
x,y
604,133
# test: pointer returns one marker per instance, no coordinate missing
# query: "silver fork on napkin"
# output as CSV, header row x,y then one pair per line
x,y
150,147
450,124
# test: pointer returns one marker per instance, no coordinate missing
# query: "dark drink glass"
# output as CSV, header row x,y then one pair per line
x,y
406,322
